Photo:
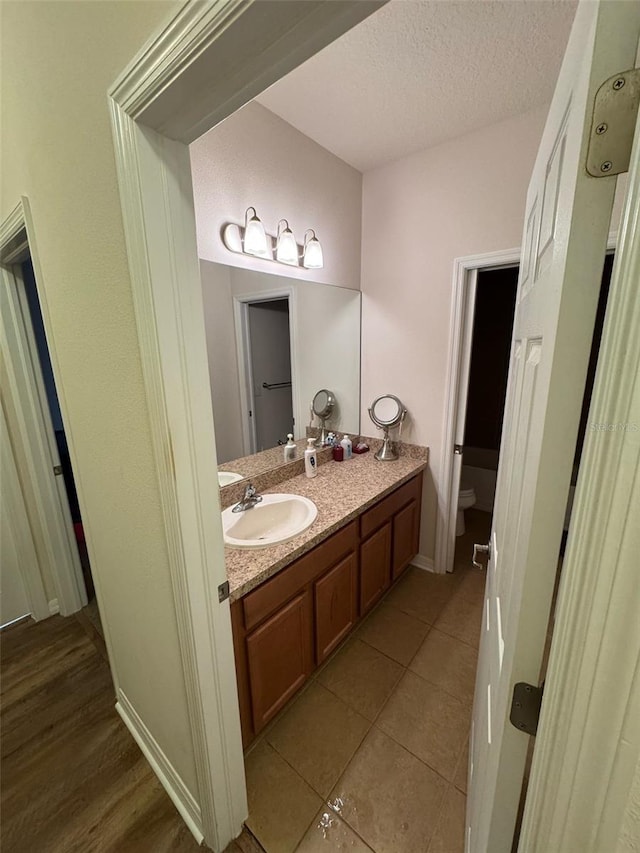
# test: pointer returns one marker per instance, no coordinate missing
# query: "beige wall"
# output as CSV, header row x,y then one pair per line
x,y
58,59
256,159
420,213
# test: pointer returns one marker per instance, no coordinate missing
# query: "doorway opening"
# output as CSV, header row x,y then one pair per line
x,y
483,410
268,354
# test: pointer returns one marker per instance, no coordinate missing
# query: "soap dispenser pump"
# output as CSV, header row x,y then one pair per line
x,y
311,459
290,448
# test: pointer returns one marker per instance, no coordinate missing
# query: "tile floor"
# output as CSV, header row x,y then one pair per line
x,y
372,754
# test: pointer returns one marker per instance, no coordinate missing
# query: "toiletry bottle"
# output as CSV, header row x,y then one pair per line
x,y
290,448
310,459
346,446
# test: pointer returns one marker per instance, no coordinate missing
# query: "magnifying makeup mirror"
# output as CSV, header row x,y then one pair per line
x,y
322,406
387,412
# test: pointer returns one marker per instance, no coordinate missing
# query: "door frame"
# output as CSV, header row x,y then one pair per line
x,y
465,273
152,125
241,304
223,53
36,434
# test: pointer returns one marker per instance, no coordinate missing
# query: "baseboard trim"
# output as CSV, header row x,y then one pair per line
x,y
54,607
424,563
180,795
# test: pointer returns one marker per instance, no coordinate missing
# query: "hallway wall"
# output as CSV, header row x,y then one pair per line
x,y
57,150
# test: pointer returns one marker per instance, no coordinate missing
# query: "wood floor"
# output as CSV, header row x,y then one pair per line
x,y
73,779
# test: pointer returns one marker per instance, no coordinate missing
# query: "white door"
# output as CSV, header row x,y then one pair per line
x,y
566,227
21,588
35,433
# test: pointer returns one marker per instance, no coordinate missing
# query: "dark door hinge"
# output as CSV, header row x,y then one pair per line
x,y
525,707
223,591
57,470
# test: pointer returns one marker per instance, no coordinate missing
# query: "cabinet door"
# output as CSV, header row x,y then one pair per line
x,y
336,606
406,528
279,658
375,567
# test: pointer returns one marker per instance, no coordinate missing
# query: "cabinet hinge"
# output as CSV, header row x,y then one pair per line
x,y
525,707
615,111
223,591
57,470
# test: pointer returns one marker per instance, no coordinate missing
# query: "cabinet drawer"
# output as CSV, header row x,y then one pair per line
x,y
271,594
279,658
336,606
381,512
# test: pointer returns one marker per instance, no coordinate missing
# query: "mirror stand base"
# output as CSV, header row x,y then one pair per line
x,y
387,452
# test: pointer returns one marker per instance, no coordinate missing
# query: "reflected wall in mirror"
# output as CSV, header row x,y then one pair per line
x,y
273,343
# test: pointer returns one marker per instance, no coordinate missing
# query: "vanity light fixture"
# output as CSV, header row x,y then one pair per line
x,y
255,238
283,248
312,256
286,246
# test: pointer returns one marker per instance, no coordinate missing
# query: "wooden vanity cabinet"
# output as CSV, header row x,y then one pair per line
x,y
288,625
291,623
390,533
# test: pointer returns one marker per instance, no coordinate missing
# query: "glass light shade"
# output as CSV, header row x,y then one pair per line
x,y
286,246
312,258
255,238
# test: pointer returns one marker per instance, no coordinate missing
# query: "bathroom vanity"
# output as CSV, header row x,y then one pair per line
x,y
294,603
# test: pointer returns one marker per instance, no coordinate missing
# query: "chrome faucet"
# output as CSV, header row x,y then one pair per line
x,y
249,499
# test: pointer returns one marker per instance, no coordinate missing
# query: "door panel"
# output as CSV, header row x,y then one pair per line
x,y
336,605
279,658
564,243
375,567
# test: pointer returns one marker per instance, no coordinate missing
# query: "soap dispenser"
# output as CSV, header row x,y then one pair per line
x,y
290,448
311,459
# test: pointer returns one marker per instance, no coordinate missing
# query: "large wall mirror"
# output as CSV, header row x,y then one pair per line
x,y
273,343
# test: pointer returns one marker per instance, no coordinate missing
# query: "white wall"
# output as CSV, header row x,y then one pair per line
x,y
58,60
256,159
420,213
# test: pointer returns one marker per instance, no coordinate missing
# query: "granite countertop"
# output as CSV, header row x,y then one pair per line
x,y
341,491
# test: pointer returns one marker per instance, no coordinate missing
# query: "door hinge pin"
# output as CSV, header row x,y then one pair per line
x,y
57,470
223,591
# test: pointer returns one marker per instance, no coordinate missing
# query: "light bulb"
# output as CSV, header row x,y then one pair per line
x,y
255,239
286,246
312,258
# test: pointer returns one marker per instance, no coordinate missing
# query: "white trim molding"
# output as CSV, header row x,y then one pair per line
x,y
588,742
222,53
462,305
170,779
424,563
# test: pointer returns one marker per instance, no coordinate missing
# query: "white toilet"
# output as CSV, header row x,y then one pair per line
x,y
466,499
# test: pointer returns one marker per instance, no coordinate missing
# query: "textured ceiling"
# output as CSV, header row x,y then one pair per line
x,y
419,72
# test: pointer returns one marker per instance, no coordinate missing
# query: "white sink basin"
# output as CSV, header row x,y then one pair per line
x,y
227,477
275,519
